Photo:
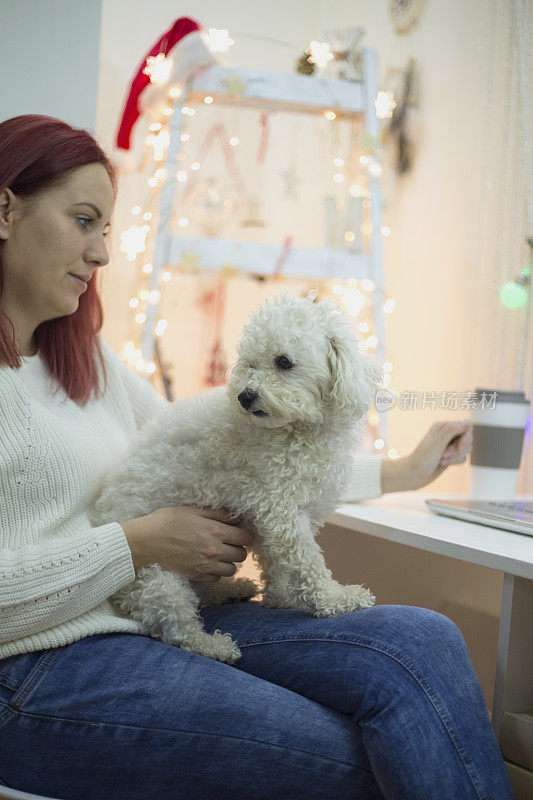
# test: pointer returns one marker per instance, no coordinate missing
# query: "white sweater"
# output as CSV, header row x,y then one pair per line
x,y
56,571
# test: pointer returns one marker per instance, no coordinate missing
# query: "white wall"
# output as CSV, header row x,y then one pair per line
x,y
49,55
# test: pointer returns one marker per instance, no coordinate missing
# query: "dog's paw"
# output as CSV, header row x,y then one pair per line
x,y
340,600
217,645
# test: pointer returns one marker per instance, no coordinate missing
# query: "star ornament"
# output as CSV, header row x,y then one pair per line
x,y
190,261
291,181
235,85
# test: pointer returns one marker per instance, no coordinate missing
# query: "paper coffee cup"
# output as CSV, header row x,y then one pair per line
x,y
499,420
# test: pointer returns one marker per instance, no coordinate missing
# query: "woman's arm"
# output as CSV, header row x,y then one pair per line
x,y
445,443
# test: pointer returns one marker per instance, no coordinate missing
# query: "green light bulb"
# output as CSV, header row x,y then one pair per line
x,y
512,295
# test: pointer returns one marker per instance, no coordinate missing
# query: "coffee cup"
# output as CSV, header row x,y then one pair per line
x,y
499,419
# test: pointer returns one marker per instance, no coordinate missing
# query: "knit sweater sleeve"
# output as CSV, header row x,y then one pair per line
x,y
365,480
49,583
145,401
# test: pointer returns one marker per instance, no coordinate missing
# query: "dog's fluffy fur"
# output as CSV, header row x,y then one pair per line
x,y
274,447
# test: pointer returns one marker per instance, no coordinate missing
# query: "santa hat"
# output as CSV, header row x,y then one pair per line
x,y
189,54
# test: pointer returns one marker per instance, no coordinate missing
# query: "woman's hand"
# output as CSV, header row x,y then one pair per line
x,y
203,545
445,443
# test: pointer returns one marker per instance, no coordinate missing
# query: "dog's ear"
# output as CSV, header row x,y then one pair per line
x,y
353,376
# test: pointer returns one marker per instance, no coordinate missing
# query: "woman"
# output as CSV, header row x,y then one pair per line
x,y
380,703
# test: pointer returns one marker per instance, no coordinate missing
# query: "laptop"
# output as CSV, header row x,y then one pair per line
x,y
510,515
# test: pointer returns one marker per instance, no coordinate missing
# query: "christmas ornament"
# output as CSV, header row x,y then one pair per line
x,y
207,207
189,54
404,14
304,66
345,62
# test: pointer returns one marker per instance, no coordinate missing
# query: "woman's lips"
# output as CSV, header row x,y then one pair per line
x,y
80,281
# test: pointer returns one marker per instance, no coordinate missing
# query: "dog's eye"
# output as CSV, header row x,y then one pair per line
x,y
283,362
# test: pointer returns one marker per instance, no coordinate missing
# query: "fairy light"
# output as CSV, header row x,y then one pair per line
x,y
175,92
158,68
168,111
160,173
180,156
160,328
155,126
378,444
367,285
181,176
389,306
372,341
338,178
165,276
364,159
337,288
151,182
349,236
195,165
136,210
330,115
133,241
353,300
363,327
147,215
148,269
319,53
385,231
387,366
185,137
208,100
134,302
339,162
392,453
374,168
218,40
140,318
183,222
385,104
143,294
190,112
234,141
356,190
154,296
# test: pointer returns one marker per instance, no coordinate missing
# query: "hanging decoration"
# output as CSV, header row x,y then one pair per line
x,y
214,301
401,128
404,14
340,56
253,205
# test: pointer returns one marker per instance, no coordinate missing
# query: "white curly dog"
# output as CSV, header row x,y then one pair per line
x,y
274,447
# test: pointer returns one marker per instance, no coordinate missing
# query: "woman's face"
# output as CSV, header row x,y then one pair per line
x,y
44,244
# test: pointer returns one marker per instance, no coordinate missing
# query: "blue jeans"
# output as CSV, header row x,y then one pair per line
x,y
379,703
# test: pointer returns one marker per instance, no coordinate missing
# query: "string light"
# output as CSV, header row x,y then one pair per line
x,y
354,294
218,40
158,68
319,53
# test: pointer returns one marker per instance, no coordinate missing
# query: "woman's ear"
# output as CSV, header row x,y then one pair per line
x,y
7,204
353,377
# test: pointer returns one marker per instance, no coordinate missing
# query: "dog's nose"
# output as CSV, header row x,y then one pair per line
x,y
246,398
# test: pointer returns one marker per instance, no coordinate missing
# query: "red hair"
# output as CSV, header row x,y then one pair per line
x,y
36,153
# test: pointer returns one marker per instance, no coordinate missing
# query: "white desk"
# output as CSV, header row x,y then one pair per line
x,y
403,517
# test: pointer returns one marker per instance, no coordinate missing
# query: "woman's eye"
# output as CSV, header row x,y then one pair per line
x,y
83,220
